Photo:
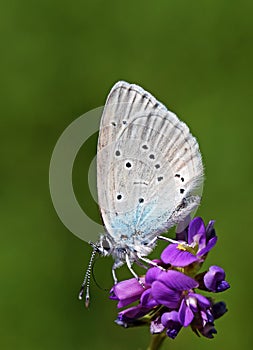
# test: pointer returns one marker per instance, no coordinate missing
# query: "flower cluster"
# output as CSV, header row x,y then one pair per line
x,y
169,300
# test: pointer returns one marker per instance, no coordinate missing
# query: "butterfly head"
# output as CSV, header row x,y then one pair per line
x,y
103,246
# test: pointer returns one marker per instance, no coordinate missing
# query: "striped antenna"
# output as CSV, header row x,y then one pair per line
x,y
86,280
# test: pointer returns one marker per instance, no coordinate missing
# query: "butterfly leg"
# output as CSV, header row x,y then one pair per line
x,y
132,271
173,241
167,239
116,264
114,275
139,263
150,262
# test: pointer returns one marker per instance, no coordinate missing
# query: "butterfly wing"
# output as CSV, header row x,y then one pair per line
x,y
148,165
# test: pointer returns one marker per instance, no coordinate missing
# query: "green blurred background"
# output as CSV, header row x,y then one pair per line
x,y
58,60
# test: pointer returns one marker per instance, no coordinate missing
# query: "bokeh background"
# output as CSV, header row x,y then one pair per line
x,y
58,60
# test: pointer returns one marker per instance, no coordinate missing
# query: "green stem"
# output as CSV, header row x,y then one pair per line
x,y
156,341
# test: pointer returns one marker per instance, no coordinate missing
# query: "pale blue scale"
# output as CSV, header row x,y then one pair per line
x,y
126,223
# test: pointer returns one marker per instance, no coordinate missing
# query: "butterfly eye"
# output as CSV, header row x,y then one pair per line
x,y
152,156
128,165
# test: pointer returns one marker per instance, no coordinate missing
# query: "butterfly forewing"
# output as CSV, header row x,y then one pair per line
x,y
147,164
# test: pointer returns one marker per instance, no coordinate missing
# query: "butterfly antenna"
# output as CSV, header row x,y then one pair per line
x,y
86,280
94,278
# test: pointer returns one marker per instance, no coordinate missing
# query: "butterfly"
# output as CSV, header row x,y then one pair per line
x,y
149,171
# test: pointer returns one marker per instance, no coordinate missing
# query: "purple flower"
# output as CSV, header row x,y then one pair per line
x,y
174,290
126,292
200,240
147,299
203,322
214,279
169,300
171,322
167,289
131,316
192,303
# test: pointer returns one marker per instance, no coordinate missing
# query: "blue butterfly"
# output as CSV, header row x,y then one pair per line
x,y
149,170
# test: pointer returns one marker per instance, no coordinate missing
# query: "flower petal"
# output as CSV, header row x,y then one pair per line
x,y
203,302
134,312
185,314
164,295
177,280
208,247
210,231
223,285
152,275
125,302
129,317
127,292
171,322
171,316
197,231
112,295
214,279
207,316
147,299
192,302
177,257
